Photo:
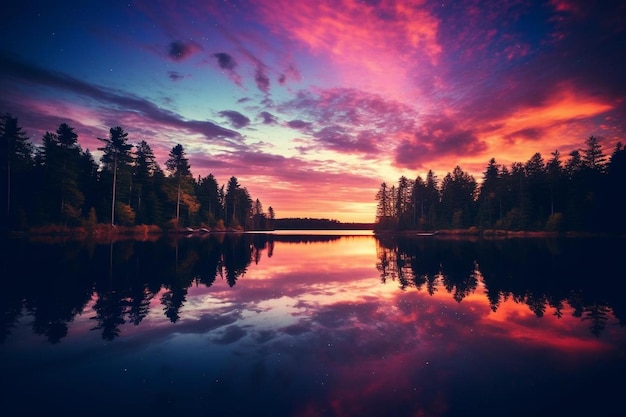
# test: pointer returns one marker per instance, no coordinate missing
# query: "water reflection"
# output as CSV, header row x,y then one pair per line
x,y
586,274
54,283
314,326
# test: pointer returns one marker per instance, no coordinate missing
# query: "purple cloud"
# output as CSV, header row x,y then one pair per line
x,y
339,139
350,120
228,64
237,120
253,164
268,118
299,125
437,137
225,61
355,109
261,79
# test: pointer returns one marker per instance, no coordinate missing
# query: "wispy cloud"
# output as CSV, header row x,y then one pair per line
x,y
175,76
370,44
15,68
350,121
228,64
261,78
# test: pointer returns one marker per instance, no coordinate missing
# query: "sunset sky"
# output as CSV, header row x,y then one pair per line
x,y
312,104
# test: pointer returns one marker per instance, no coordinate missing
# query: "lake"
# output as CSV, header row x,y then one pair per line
x,y
304,324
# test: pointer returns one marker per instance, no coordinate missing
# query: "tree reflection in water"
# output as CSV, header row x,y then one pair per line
x,y
54,282
543,274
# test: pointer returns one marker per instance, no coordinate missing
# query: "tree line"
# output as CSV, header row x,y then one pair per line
x,y
57,182
584,193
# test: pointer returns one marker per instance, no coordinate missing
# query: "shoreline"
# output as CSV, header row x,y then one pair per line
x,y
107,232
491,234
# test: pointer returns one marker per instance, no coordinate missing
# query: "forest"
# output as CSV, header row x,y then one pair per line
x,y
59,183
584,193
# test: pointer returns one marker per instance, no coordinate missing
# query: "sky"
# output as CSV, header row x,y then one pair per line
x,y
312,104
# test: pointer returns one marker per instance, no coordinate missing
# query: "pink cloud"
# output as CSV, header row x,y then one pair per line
x,y
369,45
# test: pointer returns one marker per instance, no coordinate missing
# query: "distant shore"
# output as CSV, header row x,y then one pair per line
x,y
107,232
489,233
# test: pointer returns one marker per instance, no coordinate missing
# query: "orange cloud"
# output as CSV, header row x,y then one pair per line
x,y
556,124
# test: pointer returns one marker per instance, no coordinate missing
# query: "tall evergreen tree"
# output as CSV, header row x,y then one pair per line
x,y
593,155
383,207
258,216
271,217
146,171
178,166
489,195
88,182
458,193
116,154
417,196
537,192
208,194
238,204
554,172
432,199
72,197
17,157
60,158
403,203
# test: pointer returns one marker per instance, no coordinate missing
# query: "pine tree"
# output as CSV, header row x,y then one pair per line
x,y
116,154
17,158
179,168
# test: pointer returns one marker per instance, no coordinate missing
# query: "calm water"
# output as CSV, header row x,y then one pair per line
x,y
327,325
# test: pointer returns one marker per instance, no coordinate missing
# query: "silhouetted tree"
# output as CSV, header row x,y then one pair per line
x,y
208,194
538,194
554,172
146,173
432,200
404,203
593,155
489,197
258,216
110,311
271,217
116,153
237,203
237,257
383,207
17,158
613,198
180,171
458,193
